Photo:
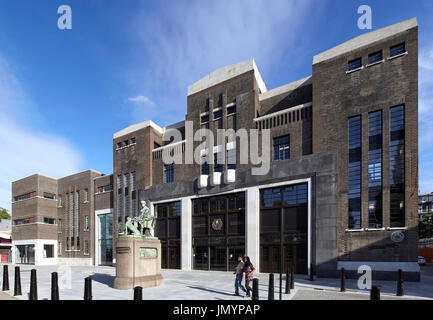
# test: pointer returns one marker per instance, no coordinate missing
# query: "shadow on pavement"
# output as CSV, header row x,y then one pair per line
x,y
104,279
211,290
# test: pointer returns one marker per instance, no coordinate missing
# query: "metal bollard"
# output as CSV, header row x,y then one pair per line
x,y
88,288
255,295
375,293
287,282
54,286
343,281
311,278
33,286
292,281
17,282
138,293
5,278
400,291
271,287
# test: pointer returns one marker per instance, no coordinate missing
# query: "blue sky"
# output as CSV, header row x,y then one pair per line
x,y
64,93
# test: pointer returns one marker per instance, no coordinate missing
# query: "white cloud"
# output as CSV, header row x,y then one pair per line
x,y
142,100
25,150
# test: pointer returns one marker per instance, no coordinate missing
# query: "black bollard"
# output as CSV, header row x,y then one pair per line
x,y
138,293
54,286
33,286
343,281
271,287
400,291
255,295
5,278
88,288
17,284
311,272
375,293
287,282
292,281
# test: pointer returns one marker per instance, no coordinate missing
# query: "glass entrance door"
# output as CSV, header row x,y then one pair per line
x,y
218,258
105,240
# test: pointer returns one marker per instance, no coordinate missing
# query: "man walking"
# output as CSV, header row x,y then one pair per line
x,y
239,272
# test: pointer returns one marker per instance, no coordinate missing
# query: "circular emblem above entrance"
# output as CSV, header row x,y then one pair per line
x,y
217,224
397,236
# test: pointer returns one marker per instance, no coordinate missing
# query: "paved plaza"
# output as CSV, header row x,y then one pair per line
x,y
199,285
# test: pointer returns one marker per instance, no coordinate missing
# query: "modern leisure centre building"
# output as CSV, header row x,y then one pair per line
x,y
341,189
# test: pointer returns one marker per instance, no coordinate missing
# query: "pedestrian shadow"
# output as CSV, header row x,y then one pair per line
x,y
211,290
104,279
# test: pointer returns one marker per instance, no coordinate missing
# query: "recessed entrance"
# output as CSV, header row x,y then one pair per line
x,y
168,232
218,231
284,220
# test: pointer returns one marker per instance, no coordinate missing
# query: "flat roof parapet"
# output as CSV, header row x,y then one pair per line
x,y
365,40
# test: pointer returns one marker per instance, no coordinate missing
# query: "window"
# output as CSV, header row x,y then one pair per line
x,y
375,57
48,195
86,247
126,142
231,159
282,148
119,145
48,251
25,196
133,141
354,174
397,171
86,223
218,163
86,195
19,222
119,203
133,196
217,114
204,119
59,203
397,50
375,170
60,248
355,64
106,188
168,173
204,165
60,226
49,221
231,110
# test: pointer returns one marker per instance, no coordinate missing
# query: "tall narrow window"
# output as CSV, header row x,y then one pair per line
x,y
126,176
218,163
133,200
282,148
71,219
354,174
168,173
204,165
375,170
77,217
397,172
86,195
119,203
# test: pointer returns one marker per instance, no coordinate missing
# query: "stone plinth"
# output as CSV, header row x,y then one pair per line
x,y
138,263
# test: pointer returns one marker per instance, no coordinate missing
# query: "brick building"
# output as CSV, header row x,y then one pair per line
x,y
341,179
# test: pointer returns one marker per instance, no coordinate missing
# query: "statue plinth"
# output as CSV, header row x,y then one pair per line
x,y
138,262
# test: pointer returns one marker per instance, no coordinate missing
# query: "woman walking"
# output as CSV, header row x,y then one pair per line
x,y
248,270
